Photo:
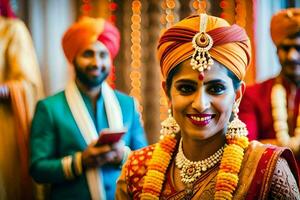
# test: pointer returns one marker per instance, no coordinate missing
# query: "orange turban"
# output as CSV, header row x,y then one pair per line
x,y
231,45
87,31
285,23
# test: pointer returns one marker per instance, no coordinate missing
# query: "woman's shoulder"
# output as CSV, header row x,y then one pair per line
x,y
261,162
284,184
139,158
268,153
256,146
136,168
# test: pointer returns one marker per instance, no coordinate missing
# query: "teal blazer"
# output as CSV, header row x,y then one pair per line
x,y
54,135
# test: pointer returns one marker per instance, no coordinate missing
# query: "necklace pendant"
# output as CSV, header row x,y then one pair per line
x,y
190,173
190,170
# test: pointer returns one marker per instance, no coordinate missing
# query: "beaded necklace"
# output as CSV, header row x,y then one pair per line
x,y
279,114
191,170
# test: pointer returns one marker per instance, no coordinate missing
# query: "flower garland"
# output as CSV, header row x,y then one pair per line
x,y
158,165
279,113
227,177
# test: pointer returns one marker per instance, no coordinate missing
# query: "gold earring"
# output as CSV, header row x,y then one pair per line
x,y
236,128
169,126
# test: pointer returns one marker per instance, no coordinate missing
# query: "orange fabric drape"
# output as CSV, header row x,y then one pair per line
x,y
22,120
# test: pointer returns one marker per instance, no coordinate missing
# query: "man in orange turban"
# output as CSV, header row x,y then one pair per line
x,y
271,108
20,89
65,151
89,30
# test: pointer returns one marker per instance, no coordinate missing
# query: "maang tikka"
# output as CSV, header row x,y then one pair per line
x,y
236,128
202,42
169,126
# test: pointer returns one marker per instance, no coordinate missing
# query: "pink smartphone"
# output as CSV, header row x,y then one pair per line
x,y
109,136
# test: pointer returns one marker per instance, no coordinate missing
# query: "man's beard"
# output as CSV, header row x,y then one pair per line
x,y
291,71
89,82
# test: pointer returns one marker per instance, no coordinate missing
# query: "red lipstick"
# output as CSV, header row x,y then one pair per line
x,y
200,119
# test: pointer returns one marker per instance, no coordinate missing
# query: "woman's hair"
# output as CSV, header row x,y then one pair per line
x,y
236,82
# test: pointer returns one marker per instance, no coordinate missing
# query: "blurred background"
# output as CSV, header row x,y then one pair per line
x,y
140,22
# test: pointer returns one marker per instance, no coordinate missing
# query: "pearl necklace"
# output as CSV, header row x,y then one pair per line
x,y
279,113
192,170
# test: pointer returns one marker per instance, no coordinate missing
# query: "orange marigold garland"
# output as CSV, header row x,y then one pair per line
x,y
227,178
158,165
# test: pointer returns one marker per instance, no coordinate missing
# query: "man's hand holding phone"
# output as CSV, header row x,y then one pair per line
x,y
109,148
110,136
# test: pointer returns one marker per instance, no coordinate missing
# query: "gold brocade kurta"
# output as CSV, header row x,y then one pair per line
x,y
130,183
20,72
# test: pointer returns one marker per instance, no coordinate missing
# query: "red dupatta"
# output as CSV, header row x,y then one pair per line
x,y
265,169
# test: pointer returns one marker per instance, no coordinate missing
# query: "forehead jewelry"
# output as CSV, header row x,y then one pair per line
x,y
202,42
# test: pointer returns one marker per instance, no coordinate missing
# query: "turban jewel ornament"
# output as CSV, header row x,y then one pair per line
x,y
202,43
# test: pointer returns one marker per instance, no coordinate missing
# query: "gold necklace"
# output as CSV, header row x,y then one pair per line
x,y
280,116
190,171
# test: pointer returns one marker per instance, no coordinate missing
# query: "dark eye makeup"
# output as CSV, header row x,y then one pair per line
x,y
214,87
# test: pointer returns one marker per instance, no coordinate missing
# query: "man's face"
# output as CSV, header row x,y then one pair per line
x,y
289,56
92,64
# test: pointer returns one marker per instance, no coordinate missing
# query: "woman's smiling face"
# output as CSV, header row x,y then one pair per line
x,y
202,106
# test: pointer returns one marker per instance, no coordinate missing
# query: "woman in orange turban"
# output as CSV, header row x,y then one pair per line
x,y
204,152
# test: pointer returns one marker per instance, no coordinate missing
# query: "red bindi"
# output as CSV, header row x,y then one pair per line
x,y
201,76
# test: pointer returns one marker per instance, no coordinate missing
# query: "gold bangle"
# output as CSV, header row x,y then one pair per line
x,y
78,163
67,167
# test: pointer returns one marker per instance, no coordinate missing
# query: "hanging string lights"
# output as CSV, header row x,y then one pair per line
x,y
199,6
112,7
171,15
167,19
135,72
86,7
228,10
163,17
240,14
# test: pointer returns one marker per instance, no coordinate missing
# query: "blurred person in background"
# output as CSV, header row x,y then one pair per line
x,y
66,125
271,109
20,89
